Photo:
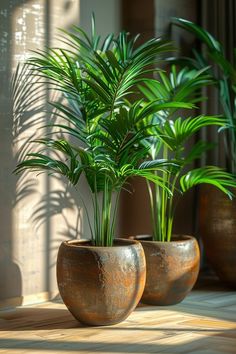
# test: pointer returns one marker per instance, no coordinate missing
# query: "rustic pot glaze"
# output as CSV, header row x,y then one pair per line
x,y
172,269
101,285
218,232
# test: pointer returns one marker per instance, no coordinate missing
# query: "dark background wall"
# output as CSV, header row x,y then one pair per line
x,y
152,18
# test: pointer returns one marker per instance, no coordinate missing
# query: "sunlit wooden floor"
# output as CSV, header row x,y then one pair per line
x,y
204,323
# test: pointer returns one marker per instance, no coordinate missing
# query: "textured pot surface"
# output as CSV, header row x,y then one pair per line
x,y
218,232
101,285
172,269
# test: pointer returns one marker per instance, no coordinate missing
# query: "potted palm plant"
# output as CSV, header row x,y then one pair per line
x,y
217,213
100,280
173,260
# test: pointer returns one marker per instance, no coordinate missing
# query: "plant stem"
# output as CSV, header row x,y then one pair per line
x,y
171,201
152,207
87,214
97,222
157,212
107,237
112,229
164,200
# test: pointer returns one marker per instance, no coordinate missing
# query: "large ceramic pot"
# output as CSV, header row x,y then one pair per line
x,y
218,232
172,269
101,285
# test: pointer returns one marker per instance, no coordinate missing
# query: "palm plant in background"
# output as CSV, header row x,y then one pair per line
x,y
223,72
96,131
169,136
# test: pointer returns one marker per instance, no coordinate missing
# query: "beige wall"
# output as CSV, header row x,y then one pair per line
x,y
36,213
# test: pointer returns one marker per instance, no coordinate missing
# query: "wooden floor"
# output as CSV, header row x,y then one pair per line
x,y
204,323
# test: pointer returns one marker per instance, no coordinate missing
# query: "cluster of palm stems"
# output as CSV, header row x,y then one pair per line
x,y
116,122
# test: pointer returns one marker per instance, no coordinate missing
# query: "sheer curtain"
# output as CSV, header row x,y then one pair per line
x,y
219,18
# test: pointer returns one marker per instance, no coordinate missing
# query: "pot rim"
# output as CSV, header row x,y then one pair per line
x,y
182,238
79,244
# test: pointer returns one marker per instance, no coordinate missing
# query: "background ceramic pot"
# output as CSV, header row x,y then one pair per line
x,y
101,285
218,232
172,269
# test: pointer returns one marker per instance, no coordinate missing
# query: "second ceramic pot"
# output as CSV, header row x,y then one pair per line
x,y
172,269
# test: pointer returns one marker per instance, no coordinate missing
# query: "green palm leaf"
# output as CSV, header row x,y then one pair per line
x,y
182,86
202,34
209,175
175,133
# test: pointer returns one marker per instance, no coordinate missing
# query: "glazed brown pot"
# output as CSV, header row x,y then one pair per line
x,y
101,285
172,269
218,232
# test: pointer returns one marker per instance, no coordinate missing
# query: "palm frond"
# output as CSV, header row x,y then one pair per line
x,y
181,86
175,133
210,175
199,32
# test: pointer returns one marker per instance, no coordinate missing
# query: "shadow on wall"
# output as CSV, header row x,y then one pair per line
x,y
10,275
29,97
34,209
55,203
21,112
30,114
